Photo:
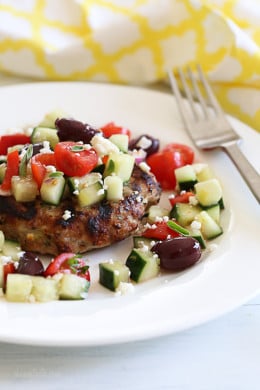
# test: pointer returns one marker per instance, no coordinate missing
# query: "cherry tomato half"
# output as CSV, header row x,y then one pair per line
x,y
164,163
111,128
38,165
9,268
185,152
73,159
68,263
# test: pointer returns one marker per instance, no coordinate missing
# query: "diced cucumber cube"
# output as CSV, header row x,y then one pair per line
x,y
73,287
184,213
156,212
44,289
24,189
143,265
203,171
41,134
12,249
18,288
2,171
52,188
121,141
186,177
114,188
50,118
76,183
214,212
112,273
122,165
208,192
2,240
91,194
209,228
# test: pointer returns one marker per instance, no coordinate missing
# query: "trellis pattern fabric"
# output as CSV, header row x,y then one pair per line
x,y
136,41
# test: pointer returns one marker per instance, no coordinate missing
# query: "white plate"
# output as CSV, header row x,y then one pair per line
x,y
225,279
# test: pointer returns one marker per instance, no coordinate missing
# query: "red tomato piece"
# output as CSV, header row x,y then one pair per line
x,y
8,140
73,159
111,128
161,232
163,165
185,152
12,169
38,165
68,263
182,198
9,268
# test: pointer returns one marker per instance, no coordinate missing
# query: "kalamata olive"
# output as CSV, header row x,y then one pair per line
x,y
146,142
178,253
30,264
73,130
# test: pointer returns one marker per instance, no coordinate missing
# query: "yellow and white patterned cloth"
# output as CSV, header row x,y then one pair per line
x,y
135,41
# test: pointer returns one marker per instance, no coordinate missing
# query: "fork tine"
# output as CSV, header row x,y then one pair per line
x,y
198,94
187,92
179,98
211,97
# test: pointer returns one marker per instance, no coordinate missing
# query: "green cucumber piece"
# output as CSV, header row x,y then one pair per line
x,y
91,194
209,228
50,118
184,213
203,171
52,187
208,192
155,212
18,288
41,134
121,141
76,183
143,265
11,249
44,289
2,171
214,212
24,189
121,165
185,177
111,274
114,188
73,287
196,233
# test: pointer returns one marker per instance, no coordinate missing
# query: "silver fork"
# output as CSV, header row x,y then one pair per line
x,y
207,124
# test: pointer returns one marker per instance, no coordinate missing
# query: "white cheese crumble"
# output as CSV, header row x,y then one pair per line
x,y
144,142
124,288
100,192
50,168
67,215
193,200
145,167
196,225
103,146
46,147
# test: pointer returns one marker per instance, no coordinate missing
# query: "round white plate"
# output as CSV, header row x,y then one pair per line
x,y
225,278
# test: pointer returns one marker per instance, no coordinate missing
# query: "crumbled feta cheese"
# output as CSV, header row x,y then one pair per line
x,y
124,288
145,167
76,192
46,147
5,259
116,272
171,196
144,142
193,200
196,225
50,168
144,248
103,146
67,215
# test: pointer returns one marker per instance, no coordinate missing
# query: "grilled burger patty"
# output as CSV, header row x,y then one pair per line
x,y
42,228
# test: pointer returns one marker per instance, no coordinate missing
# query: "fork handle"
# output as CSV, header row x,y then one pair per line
x,y
247,171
